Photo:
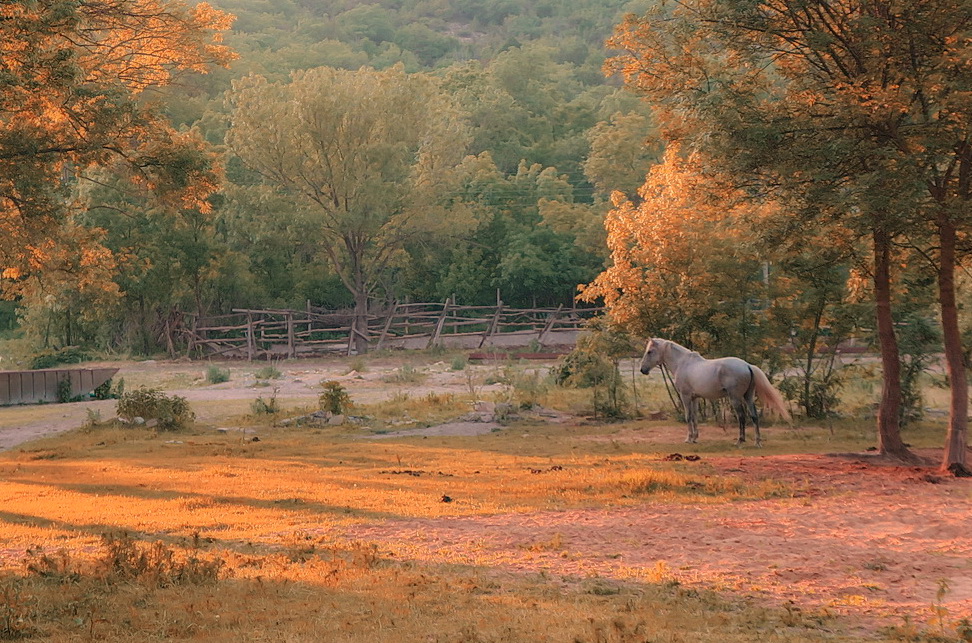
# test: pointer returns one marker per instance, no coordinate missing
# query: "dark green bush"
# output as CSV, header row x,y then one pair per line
x,y
52,358
171,412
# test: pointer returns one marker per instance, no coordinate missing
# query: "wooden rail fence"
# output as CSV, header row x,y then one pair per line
x,y
253,334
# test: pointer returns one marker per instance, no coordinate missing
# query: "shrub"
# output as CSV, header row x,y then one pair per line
x,y
407,374
154,565
268,373
268,406
459,362
217,375
52,358
109,392
594,363
171,412
17,609
335,398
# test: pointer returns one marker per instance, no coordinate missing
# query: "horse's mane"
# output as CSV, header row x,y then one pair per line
x,y
669,342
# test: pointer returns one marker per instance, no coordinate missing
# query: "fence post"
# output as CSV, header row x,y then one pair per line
x,y
438,327
550,322
250,337
388,323
492,324
291,345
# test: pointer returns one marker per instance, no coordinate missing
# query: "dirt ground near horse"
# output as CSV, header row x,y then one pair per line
x,y
856,536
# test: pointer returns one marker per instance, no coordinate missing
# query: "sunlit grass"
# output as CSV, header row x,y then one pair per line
x,y
273,513
276,506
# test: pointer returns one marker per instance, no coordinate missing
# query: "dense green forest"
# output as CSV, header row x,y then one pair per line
x,y
545,137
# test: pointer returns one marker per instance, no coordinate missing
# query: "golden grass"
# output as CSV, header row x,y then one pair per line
x,y
276,518
272,513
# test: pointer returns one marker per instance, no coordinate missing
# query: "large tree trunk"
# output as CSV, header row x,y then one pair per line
x,y
889,428
359,325
956,442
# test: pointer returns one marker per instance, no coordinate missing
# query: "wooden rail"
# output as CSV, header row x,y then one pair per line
x,y
252,334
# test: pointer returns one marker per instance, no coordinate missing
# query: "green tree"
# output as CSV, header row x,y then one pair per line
x,y
73,75
371,153
858,109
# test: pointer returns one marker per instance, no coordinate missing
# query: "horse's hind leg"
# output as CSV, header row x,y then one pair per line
x,y
751,406
739,406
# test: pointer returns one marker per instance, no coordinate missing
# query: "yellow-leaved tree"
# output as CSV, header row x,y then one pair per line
x,y
73,102
682,266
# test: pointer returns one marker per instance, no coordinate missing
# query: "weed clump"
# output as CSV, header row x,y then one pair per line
x,y
334,399
268,406
268,373
217,375
170,412
154,565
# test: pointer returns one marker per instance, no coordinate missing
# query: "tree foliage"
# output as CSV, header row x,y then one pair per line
x,y
371,153
72,75
855,109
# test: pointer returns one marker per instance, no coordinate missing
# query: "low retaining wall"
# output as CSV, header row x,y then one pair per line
x,y
31,387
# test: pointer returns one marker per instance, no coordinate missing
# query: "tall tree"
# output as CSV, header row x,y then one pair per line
x,y
680,263
72,97
860,105
371,152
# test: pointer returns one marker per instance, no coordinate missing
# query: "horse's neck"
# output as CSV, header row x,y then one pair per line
x,y
677,356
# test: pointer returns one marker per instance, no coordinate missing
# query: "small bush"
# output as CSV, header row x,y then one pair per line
x,y
155,565
17,610
109,392
335,398
171,412
407,374
268,406
268,373
52,358
217,375
459,362
64,390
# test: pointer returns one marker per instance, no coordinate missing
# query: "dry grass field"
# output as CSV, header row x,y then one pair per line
x,y
421,519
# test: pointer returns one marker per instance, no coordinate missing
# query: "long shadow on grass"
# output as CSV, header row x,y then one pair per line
x,y
280,504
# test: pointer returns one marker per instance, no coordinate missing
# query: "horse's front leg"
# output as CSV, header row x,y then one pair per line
x,y
691,418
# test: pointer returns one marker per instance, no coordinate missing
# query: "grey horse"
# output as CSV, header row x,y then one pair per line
x,y
697,377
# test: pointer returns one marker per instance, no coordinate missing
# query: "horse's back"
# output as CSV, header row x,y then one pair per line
x,y
714,378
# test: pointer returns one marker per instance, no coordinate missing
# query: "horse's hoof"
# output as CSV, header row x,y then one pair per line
x,y
759,445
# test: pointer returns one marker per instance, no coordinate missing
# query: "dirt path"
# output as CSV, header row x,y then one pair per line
x,y
865,540
298,385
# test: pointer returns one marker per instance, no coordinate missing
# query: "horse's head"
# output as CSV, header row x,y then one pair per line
x,y
653,355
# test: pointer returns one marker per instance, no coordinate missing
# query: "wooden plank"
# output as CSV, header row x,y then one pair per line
x,y
438,327
48,385
550,321
5,389
384,331
492,325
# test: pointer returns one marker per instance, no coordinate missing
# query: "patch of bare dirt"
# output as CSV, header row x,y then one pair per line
x,y
863,538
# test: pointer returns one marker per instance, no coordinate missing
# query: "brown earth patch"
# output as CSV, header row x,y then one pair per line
x,y
861,538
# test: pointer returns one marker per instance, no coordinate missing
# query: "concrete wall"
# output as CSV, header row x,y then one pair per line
x,y
30,387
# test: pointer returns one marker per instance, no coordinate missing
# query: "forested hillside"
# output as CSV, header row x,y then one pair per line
x,y
542,138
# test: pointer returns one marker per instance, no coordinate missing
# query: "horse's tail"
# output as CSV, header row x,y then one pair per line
x,y
767,393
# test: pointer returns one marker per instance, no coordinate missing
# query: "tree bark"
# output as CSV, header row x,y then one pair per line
x,y
956,442
889,429
359,325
